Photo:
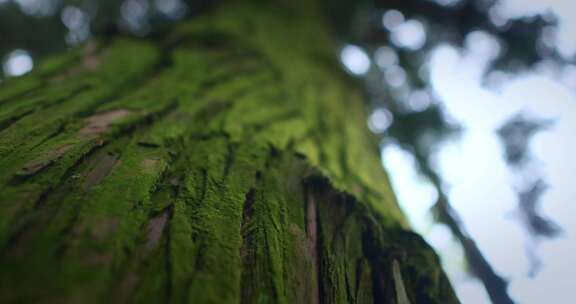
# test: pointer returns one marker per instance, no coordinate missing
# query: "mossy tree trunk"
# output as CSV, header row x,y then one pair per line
x,y
227,164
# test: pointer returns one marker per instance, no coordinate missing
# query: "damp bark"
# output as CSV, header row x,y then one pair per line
x,y
227,163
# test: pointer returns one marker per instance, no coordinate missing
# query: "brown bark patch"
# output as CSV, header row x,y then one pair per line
x,y
101,122
103,167
312,226
44,161
312,233
150,165
247,214
125,288
307,290
99,258
104,228
156,227
98,229
401,297
91,60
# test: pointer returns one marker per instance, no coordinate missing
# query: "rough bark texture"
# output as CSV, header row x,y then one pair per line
x,y
229,164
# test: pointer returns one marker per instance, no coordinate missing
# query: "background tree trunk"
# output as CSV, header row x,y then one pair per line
x,y
228,163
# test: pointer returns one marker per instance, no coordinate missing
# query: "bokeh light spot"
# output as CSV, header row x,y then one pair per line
x,y
18,62
355,59
410,35
380,120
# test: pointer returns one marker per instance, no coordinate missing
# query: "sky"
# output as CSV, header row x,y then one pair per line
x,y
479,184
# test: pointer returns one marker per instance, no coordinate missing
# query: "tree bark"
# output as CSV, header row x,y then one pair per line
x,y
228,163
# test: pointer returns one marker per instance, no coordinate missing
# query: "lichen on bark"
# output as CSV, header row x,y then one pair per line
x,y
227,163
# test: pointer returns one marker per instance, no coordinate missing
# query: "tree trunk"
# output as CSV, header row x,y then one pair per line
x,y
228,163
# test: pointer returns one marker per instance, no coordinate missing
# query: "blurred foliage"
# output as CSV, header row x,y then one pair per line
x,y
516,135
46,27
